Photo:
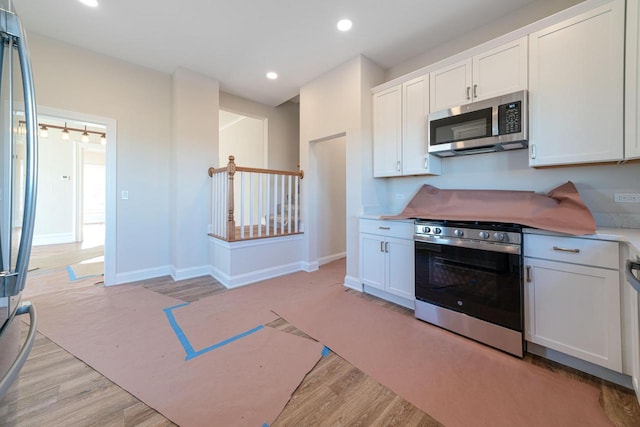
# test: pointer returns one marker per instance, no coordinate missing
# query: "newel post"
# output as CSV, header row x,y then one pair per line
x,y
231,223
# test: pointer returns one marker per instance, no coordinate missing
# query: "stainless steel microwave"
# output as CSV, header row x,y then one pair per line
x,y
495,124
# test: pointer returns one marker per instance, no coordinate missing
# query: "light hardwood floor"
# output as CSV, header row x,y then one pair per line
x,y
55,388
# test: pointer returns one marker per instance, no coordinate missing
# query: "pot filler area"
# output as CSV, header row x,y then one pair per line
x,y
561,209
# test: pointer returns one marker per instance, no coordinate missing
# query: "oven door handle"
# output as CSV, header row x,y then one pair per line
x,y
631,278
507,248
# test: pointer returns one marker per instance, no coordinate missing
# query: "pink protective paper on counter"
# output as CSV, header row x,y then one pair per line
x,y
560,210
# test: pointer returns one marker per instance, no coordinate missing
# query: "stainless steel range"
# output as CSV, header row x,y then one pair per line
x,y
468,278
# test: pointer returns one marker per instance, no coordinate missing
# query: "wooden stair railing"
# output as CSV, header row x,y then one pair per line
x,y
225,193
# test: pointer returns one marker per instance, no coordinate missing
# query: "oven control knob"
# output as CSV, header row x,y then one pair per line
x,y
458,233
499,236
437,230
426,229
484,235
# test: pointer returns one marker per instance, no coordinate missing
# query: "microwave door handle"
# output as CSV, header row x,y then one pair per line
x,y
494,121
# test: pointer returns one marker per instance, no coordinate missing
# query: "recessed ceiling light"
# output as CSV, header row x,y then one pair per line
x,y
344,24
272,75
90,3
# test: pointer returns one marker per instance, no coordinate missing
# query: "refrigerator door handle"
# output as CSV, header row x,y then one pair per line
x,y
31,177
14,370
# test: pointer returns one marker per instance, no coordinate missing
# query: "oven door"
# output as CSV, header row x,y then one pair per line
x,y
480,283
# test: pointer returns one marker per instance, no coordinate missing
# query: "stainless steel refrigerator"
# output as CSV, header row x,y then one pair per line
x,y
18,167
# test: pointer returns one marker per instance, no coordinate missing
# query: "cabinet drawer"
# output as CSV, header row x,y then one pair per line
x,y
596,253
391,228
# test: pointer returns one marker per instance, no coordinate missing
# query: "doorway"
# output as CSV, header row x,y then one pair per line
x,y
329,158
74,231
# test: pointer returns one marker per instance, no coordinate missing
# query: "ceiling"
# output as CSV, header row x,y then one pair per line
x,y
236,42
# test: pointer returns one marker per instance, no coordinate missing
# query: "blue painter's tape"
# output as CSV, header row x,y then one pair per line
x,y
224,342
265,425
191,353
188,348
72,275
325,351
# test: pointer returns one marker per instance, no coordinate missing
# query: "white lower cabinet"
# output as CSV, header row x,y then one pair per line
x,y
387,256
572,303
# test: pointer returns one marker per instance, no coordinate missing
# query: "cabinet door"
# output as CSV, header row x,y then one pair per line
x,y
576,89
450,86
632,83
372,260
575,310
400,271
415,108
500,71
387,132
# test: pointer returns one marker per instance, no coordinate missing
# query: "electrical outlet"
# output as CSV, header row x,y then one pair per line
x,y
125,195
627,197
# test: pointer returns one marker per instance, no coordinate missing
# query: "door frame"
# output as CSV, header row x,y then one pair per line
x,y
110,241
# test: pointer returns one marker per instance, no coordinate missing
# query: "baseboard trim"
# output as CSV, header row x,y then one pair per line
x,y
190,273
149,273
405,302
310,266
330,258
353,283
236,281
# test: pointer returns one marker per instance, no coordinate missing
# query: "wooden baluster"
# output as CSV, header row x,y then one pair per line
x,y
231,223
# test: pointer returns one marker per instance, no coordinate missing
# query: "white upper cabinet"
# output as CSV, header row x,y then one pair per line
x,y
492,73
450,86
399,126
632,83
387,132
500,71
576,89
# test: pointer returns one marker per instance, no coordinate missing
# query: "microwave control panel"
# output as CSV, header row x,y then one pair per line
x,y
510,118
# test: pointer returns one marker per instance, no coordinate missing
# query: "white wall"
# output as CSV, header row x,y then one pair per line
x,y
55,202
245,140
510,171
283,128
328,158
74,79
194,149
339,102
